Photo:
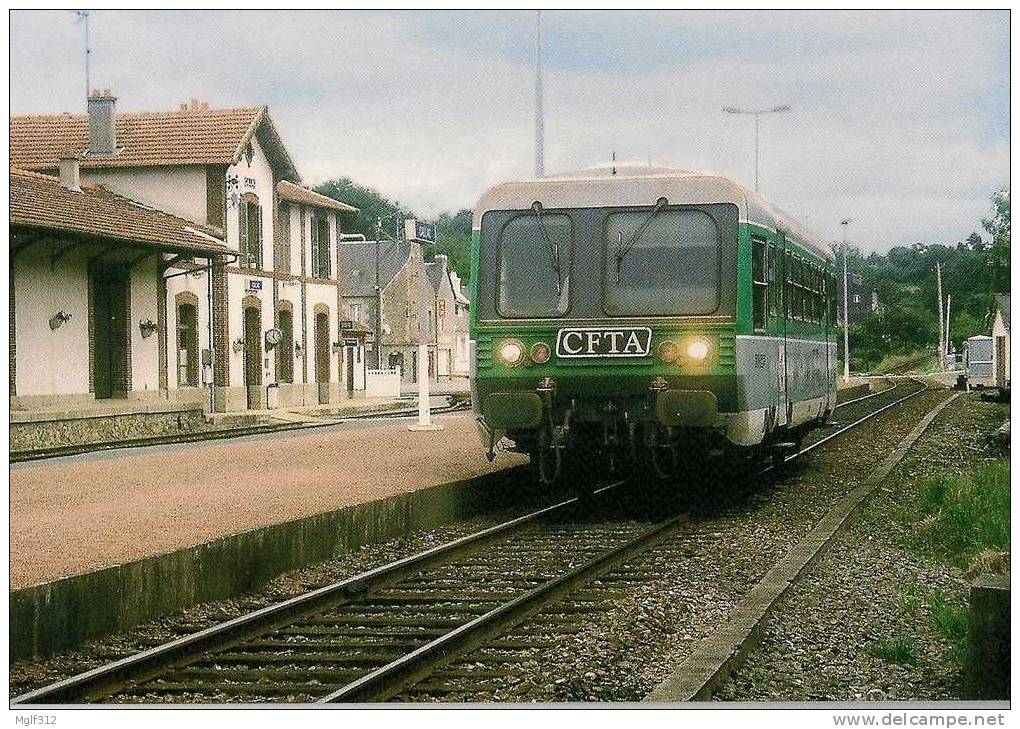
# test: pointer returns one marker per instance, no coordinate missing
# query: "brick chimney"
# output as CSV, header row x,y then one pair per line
x,y
70,172
102,135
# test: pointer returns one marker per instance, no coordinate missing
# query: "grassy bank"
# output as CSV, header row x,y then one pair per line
x,y
964,518
963,522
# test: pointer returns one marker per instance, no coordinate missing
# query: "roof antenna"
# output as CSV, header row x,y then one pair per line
x,y
539,120
614,162
82,17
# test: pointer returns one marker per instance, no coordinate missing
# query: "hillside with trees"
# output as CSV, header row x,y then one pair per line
x,y
973,271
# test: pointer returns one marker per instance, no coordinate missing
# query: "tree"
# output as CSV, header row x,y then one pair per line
x,y
454,240
998,227
371,207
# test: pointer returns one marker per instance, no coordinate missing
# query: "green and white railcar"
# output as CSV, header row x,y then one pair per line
x,y
637,312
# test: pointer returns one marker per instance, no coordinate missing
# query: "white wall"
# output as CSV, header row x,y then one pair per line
x,y
144,351
51,362
177,190
256,178
237,289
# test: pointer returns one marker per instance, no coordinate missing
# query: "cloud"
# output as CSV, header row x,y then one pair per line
x,y
899,120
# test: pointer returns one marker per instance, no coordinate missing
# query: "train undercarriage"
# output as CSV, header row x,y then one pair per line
x,y
583,445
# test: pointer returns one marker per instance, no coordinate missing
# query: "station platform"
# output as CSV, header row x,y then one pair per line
x,y
85,513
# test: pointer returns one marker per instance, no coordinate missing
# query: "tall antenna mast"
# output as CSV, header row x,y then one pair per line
x,y
82,16
539,123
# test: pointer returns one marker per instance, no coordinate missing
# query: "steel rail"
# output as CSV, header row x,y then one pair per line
x,y
137,668
867,397
42,454
389,679
924,388
141,666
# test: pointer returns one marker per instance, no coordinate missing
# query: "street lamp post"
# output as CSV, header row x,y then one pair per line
x,y
846,294
757,115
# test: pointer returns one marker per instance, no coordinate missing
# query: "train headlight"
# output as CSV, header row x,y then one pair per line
x,y
510,352
698,349
668,352
540,353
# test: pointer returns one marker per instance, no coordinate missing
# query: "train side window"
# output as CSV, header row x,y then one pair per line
x,y
772,291
798,293
759,283
788,268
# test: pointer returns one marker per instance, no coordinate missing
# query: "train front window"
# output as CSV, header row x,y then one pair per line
x,y
670,263
535,252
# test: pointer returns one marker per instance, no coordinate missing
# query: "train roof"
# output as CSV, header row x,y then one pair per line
x,y
628,184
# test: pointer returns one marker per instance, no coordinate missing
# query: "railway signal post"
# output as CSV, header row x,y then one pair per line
x,y
422,233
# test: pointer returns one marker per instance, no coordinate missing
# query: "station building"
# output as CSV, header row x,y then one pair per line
x,y
256,322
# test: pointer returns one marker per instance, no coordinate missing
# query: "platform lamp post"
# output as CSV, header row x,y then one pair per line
x,y
422,233
756,113
846,295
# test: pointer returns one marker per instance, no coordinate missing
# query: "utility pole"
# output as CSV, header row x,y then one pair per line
x,y
82,16
378,296
846,309
942,320
539,121
949,306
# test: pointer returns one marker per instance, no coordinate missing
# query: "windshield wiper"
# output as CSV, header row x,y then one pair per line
x,y
554,249
623,249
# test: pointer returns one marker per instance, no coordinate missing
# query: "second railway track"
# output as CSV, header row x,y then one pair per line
x,y
374,635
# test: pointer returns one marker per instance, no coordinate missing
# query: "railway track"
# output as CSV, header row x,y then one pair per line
x,y
224,434
372,636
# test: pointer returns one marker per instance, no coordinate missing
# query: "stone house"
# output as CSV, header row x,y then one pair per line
x,y
388,276
272,300
450,323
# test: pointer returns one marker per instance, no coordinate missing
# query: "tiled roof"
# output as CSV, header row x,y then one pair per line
x,y
436,271
42,202
192,136
357,264
296,193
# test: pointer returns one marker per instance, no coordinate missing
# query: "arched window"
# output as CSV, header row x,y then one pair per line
x,y
187,340
250,231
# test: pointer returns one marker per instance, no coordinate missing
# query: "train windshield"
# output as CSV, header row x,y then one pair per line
x,y
534,265
661,262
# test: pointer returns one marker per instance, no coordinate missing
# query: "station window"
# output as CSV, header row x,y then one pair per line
x,y
250,231
320,247
759,283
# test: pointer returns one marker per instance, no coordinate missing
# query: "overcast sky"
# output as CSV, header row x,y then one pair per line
x,y
899,120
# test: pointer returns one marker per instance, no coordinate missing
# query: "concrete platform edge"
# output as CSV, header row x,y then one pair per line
x,y
64,613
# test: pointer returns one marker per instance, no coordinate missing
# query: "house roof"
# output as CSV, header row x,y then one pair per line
x,y
298,194
41,202
192,135
1002,302
436,271
358,264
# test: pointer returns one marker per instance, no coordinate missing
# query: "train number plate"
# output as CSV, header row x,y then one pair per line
x,y
604,342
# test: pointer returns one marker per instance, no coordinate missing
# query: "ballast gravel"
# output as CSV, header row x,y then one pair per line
x,y
828,639
622,653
